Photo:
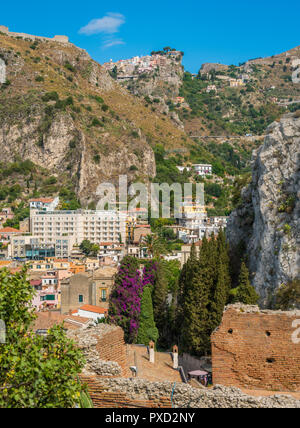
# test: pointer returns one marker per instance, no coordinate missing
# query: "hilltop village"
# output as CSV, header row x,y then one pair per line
x,y
120,307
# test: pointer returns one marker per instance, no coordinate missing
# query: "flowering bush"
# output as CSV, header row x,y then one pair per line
x,y
149,274
126,296
125,299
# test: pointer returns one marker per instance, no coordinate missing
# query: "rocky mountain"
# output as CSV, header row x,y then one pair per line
x,y
239,100
267,222
155,78
221,99
63,112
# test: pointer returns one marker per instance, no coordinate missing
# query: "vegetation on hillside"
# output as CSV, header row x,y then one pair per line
x,y
35,371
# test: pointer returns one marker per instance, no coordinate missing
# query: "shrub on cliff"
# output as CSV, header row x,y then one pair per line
x,y
288,296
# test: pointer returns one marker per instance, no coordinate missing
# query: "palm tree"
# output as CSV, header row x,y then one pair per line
x,y
155,246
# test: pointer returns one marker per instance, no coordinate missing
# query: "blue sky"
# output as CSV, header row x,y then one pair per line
x,y
221,31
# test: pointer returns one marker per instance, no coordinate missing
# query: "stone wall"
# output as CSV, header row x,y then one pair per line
x,y
134,393
257,349
59,39
112,347
104,349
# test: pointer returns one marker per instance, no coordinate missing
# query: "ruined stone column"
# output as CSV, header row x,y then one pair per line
x,y
151,352
175,357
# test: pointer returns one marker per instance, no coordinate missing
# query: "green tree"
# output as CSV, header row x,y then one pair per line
x,y
288,296
94,250
89,249
154,244
244,293
35,371
183,283
85,247
221,290
160,306
202,294
147,329
195,337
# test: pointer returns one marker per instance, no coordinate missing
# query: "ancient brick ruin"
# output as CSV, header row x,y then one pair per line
x,y
256,349
111,383
59,39
104,350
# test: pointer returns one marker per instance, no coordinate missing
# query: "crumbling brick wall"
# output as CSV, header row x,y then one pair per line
x,y
101,397
257,349
136,393
111,347
104,349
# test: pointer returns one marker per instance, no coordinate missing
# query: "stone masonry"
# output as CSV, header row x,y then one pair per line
x,y
256,349
60,39
135,393
104,350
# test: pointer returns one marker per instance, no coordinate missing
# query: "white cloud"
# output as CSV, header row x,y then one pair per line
x,y
112,42
109,24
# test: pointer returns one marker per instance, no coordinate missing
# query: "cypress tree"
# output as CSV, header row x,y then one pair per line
x,y
147,329
195,329
159,298
245,293
183,284
223,281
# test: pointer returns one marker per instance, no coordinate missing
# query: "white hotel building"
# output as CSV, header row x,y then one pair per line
x,y
95,226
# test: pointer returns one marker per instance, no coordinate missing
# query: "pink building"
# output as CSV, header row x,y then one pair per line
x,y
48,294
46,297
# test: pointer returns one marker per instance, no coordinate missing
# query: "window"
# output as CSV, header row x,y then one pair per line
x,y
103,295
80,298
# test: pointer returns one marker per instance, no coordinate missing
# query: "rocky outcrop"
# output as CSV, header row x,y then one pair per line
x,y
85,133
207,67
160,87
268,221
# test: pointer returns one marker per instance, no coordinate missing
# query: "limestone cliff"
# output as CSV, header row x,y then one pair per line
x,y
268,220
63,111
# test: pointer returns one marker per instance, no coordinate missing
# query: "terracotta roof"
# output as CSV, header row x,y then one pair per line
x,y
44,200
106,272
46,320
5,262
197,244
137,210
9,230
34,282
95,309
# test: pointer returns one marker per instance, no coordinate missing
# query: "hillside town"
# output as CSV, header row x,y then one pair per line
x,y
149,211
50,242
127,69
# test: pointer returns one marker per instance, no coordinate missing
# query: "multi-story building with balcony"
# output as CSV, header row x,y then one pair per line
x,y
37,248
95,226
